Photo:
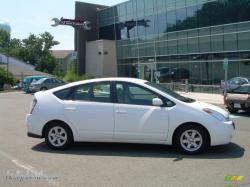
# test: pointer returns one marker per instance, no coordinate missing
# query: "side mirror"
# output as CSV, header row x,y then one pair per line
x,y
157,102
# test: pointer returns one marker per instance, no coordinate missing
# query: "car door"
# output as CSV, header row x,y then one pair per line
x,y
135,117
91,111
48,84
56,82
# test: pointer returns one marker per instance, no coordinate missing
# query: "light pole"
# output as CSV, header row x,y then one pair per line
x,y
8,50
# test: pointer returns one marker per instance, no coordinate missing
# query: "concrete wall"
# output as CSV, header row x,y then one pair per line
x,y
88,12
94,65
109,59
101,58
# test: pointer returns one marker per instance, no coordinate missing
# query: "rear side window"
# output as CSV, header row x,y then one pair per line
x,y
63,94
82,93
101,92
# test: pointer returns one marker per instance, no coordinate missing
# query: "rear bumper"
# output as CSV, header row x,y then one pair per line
x,y
34,126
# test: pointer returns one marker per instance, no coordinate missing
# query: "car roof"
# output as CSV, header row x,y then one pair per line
x,y
38,76
131,80
240,78
245,85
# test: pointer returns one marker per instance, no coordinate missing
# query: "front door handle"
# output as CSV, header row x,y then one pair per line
x,y
71,109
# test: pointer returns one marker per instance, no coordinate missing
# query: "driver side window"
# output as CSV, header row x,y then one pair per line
x,y
132,94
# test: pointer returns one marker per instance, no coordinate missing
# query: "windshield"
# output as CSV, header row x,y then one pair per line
x,y
40,81
171,93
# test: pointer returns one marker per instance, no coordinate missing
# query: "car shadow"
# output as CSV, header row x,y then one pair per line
x,y
242,114
231,150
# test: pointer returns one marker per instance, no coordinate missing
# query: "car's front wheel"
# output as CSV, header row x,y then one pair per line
x,y
58,136
231,108
191,139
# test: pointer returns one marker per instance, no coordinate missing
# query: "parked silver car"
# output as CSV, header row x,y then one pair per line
x,y
45,84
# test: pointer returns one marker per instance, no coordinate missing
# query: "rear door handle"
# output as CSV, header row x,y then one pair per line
x,y
121,111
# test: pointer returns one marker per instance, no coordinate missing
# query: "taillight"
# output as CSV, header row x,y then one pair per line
x,y
33,105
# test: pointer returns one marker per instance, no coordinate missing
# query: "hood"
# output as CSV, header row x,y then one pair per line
x,y
201,105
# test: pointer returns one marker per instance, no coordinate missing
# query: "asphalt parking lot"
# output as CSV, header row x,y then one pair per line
x,y
27,162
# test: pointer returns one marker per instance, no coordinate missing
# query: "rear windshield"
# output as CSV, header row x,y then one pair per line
x,y
171,93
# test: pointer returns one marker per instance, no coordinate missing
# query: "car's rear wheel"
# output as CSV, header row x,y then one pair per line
x,y
191,139
58,136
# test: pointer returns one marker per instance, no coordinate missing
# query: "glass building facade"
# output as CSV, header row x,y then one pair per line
x,y
191,37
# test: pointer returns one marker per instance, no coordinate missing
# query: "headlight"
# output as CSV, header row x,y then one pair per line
x,y
215,114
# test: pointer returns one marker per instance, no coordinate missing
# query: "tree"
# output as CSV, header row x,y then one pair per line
x,y
36,51
4,38
48,41
4,79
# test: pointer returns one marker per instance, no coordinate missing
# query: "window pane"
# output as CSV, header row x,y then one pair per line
x,y
230,42
82,93
149,27
193,42
133,94
161,22
204,44
171,20
244,40
181,16
101,92
63,94
191,21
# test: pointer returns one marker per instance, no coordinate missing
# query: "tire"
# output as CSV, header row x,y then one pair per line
x,y
231,109
198,144
58,136
246,109
43,89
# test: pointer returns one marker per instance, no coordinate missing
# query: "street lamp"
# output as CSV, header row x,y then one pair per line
x,y
8,50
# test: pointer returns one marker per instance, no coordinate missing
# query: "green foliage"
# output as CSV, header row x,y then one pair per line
x,y
34,50
4,79
4,38
71,76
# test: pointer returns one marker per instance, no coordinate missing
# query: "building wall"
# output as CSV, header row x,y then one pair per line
x,y
88,12
94,65
109,59
195,35
101,58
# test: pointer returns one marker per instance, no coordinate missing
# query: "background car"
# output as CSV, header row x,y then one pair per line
x,y
30,79
126,110
45,84
235,83
238,99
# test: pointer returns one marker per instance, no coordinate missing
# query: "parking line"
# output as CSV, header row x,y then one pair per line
x,y
27,167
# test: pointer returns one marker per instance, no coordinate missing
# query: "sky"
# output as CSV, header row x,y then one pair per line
x,y
34,16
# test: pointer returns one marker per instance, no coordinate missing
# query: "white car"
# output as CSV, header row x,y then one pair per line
x,y
126,110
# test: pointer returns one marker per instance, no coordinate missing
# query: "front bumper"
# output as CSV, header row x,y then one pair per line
x,y
33,135
223,133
